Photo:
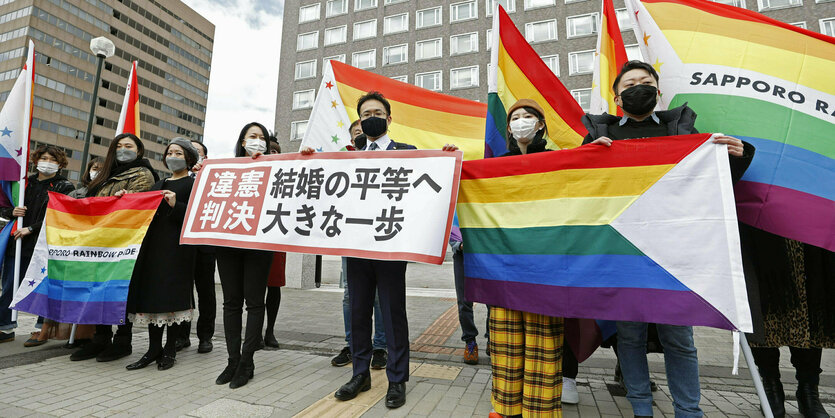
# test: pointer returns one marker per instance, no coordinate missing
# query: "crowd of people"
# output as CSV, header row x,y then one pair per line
x,y
790,284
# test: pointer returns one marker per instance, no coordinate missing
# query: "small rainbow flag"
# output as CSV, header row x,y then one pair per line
x,y
129,117
420,117
766,82
15,122
645,231
608,60
519,73
84,257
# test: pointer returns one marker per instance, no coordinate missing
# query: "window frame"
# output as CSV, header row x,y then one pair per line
x,y
331,29
488,6
315,70
576,53
452,51
452,6
354,31
294,130
439,9
557,57
373,56
556,31
440,74
595,30
469,67
586,91
298,92
526,7
328,8
333,57
315,34
357,3
827,20
386,19
761,8
318,7
440,49
387,48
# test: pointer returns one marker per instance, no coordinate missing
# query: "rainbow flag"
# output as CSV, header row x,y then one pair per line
x,y
519,73
645,230
608,60
129,117
84,257
15,122
420,117
766,82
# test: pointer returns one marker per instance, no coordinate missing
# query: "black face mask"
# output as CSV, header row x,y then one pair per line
x,y
360,141
639,100
374,127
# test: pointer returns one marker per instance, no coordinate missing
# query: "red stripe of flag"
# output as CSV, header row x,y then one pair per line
x,y
98,206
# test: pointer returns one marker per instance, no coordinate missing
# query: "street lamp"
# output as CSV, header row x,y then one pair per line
x,y
103,48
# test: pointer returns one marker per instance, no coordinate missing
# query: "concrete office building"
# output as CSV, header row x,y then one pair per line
x,y
170,41
444,45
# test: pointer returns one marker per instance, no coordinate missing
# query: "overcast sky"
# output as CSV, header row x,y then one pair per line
x,y
244,77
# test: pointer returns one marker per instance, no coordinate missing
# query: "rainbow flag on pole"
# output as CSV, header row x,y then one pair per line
x,y
420,117
645,230
608,60
129,117
15,120
81,268
766,82
517,72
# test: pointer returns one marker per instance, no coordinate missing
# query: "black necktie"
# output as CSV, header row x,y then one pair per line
x,y
372,146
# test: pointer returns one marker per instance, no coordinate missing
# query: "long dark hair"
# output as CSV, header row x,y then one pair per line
x,y
538,136
110,161
85,178
239,149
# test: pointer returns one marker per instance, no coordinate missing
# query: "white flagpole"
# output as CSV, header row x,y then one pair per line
x,y
755,376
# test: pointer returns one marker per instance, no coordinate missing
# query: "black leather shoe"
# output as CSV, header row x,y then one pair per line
x,y
205,347
808,401
182,343
244,372
357,384
165,362
775,395
270,343
396,395
114,352
379,359
227,373
143,362
89,351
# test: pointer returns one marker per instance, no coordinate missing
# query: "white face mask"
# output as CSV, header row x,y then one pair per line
x,y
47,167
93,174
254,145
524,128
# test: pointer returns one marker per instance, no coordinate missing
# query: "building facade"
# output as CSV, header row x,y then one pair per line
x,y
170,41
444,45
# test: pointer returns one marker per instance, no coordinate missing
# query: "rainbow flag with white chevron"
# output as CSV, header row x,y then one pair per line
x,y
767,82
83,261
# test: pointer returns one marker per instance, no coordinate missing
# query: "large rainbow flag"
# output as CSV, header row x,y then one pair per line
x,y
645,230
519,73
420,117
766,82
608,60
129,117
81,268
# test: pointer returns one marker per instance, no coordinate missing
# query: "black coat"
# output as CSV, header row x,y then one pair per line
x,y
164,272
36,199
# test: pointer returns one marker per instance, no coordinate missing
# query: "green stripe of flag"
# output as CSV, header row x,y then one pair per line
x,y
90,271
567,240
495,108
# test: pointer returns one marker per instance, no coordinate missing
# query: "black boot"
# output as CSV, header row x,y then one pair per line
x,y
775,395
227,373
245,371
121,347
808,401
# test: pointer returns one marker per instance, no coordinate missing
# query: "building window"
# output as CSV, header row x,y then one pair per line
x,y
463,44
430,81
305,69
777,4
387,2
340,58
581,25
583,97
337,35
828,26
509,6
308,40
364,59
466,10
396,23
336,7
297,130
309,13
428,49
428,17
461,78
737,3
799,24
624,22
536,4
303,99
553,62
581,62
401,78
541,31
488,36
364,4
633,52
397,54
365,30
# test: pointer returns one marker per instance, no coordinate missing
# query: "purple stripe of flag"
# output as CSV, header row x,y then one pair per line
x,y
112,313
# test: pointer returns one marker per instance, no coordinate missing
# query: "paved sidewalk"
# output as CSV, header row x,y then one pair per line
x,y
299,380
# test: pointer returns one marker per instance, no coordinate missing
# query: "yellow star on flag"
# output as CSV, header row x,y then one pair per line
x,y
646,39
333,104
340,124
593,85
657,65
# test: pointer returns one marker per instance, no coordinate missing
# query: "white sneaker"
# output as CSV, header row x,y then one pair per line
x,y
569,391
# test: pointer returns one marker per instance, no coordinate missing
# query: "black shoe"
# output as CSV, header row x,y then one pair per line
x,y
114,352
143,362
808,401
182,343
77,343
357,384
6,337
89,351
165,362
270,343
396,395
775,395
227,373
343,358
379,359
244,372
204,346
